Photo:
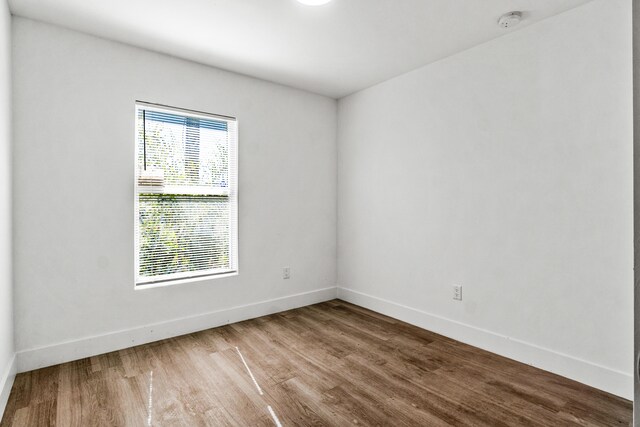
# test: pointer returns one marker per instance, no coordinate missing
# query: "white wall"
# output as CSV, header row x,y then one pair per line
x,y
507,169
73,181
6,286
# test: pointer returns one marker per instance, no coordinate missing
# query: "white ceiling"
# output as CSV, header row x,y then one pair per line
x,y
335,49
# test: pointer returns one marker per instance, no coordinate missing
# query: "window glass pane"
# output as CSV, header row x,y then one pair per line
x,y
183,233
214,158
186,151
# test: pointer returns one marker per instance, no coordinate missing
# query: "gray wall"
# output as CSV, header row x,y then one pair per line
x,y
73,181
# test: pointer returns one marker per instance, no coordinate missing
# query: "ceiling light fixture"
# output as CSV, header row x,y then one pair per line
x,y
314,2
510,19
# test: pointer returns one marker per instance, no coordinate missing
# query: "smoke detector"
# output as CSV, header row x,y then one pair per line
x,y
510,19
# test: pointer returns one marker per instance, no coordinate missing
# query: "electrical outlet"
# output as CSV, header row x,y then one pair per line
x,y
457,292
286,273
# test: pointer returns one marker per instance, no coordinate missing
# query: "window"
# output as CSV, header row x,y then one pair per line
x,y
186,194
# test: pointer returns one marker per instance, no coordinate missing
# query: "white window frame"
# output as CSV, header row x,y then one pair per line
x,y
142,282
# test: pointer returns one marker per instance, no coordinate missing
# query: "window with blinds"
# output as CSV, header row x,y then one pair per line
x,y
186,194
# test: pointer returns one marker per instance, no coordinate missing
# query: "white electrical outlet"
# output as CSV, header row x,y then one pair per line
x,y
457,292
286,273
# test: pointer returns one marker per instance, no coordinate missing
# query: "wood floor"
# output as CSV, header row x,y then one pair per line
x,y
329,364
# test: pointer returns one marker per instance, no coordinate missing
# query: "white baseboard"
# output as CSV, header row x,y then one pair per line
x,y
92,346
6,382
601,377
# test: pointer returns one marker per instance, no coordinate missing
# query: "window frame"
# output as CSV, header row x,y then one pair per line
x,y
143,282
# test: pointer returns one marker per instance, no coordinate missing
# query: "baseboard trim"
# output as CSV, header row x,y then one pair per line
x,y
6,382
601,377
68,351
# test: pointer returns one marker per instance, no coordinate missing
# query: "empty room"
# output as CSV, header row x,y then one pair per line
x,y
319,212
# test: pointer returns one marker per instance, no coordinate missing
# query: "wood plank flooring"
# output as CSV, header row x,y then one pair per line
x,y
331,364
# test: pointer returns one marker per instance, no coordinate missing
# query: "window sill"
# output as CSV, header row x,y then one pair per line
x,y
142,286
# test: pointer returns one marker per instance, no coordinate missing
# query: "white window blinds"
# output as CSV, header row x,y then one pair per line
x,y
186,194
